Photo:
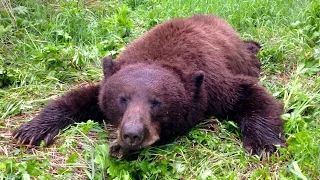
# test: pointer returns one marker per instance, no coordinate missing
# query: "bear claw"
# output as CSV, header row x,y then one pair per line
x,y
31,141
264,152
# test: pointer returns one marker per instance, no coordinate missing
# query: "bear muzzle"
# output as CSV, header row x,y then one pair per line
x,y
133,135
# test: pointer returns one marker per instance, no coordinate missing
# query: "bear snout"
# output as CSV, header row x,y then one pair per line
x,y
133,135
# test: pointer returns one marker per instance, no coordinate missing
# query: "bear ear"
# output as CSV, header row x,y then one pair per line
x,y
252,46
108,66
197,79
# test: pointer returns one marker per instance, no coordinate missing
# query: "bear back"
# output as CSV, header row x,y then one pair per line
x,y
186,45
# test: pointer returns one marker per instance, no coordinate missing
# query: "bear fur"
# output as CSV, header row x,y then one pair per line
x,y
164,83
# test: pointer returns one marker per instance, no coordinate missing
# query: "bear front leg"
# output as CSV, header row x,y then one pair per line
x,y
259,117
76,106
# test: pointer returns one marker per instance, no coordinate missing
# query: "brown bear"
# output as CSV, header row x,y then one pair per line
x,y
164,83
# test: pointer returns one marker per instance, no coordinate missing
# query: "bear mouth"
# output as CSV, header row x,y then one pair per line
x,y
120,150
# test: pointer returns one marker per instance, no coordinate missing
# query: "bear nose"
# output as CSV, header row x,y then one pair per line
x,y
132,134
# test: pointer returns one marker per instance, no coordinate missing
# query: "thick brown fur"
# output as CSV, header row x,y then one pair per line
x,y
167,81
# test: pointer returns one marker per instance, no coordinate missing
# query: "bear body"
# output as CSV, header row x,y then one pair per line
x,y
167,81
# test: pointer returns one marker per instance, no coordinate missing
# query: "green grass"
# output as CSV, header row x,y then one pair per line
x,y
49,47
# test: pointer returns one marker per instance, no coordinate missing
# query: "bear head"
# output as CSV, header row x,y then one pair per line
x,y
149,103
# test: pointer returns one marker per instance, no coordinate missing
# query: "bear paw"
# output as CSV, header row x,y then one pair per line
x,y
32,133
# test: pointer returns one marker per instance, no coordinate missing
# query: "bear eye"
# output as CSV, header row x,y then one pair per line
x,y
124,100
155,104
